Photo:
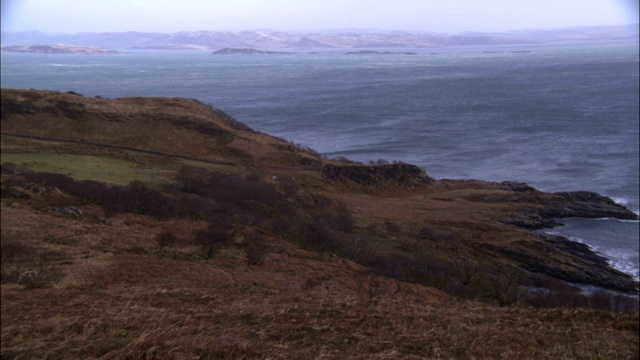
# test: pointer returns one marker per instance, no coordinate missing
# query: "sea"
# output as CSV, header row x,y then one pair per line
x,y
560,117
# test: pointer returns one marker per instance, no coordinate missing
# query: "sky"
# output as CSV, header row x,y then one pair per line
x,y
73,16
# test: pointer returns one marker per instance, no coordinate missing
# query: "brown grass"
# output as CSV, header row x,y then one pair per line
x,y
123,297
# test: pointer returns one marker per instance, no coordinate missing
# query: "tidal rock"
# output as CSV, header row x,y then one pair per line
x,y
567,260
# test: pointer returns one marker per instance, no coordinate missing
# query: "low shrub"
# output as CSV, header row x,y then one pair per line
x,y
166,239
504,289
13,169
211,241
392,227
430,232
194,179
135,198
63,182
89,190
255,250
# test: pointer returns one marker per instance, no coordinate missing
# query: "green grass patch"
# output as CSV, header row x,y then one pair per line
x,y
87,167
224,169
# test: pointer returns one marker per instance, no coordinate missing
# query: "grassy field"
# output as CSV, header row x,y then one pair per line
x,y
86,167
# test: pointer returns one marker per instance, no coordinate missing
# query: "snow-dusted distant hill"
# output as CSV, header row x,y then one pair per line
x,y
313,40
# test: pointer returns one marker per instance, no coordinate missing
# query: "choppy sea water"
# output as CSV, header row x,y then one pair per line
x,y
560,117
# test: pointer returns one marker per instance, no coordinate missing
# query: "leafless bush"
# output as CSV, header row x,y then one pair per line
x,y
392,227
210,241
13,169
354,248
60,181
318,237
136,197
370,284
382,162
504,289
315,281
192,206
345,160
465,271
430,232
166,239
194,179
344,220
255,250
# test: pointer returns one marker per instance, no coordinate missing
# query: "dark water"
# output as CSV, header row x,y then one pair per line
x,y
561,117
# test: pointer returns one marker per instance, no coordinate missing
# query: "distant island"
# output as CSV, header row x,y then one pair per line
x,y
373,52
247,51
59,49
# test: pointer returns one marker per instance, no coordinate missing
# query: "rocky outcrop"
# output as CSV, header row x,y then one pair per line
x,y
579,204
537,209
580,264
585,204
380,176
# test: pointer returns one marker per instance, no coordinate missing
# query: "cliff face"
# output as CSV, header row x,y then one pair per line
x,y
390,217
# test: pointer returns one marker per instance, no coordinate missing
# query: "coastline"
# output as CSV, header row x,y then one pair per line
x,y
512,210
618,256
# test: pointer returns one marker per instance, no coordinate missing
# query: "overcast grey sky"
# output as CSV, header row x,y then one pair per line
x,y
72,16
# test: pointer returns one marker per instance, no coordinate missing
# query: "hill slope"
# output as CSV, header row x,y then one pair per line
x,y
242,244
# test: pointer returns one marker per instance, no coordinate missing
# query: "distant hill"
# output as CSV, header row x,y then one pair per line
x,y
315,40
58,49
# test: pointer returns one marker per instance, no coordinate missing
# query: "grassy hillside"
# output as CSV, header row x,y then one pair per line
x,y
162,228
